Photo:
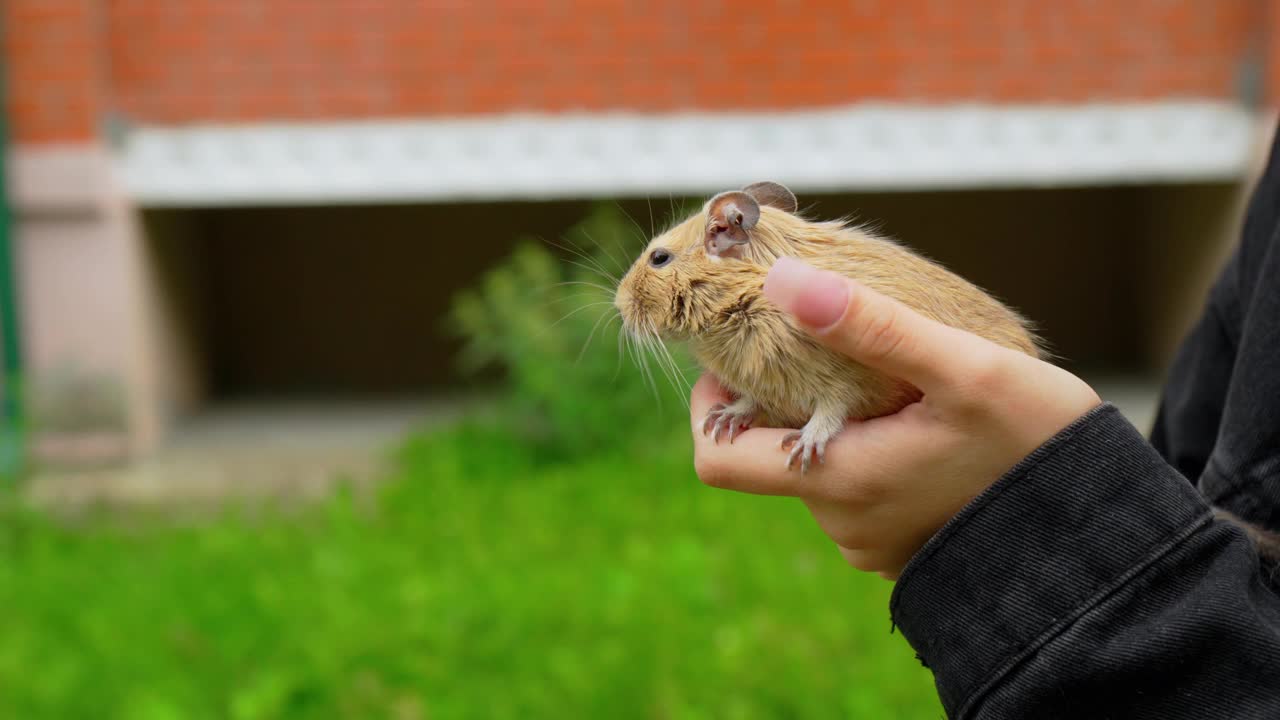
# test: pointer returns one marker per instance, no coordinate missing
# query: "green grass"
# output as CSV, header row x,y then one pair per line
x,y
483,583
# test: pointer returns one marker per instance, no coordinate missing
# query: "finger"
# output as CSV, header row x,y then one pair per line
x,y
859,559
875,329
844,524
754,463
868,561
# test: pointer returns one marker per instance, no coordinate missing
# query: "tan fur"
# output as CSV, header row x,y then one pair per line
x,y
758,352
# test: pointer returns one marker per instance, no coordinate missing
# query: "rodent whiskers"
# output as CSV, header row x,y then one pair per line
x,y
651,342
640,342
593,265
575,311
622,266
606,318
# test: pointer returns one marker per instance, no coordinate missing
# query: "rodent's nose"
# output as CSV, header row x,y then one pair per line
x,y
621,299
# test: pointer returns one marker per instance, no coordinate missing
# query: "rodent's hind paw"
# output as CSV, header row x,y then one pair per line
x,y
805,449
732,418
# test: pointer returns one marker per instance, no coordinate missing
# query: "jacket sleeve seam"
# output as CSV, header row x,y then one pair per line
x,y
1091,599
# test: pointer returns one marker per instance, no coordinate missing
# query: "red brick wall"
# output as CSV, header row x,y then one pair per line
x,y
53,63
171,61
1270,41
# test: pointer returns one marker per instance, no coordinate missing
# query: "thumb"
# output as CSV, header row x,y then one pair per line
x,y
872,328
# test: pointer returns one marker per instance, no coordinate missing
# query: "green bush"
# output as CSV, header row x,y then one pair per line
x,y
548,323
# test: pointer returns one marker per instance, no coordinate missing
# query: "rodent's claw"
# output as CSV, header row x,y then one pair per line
x,y
804,450
789,439
735,426
711,418
721,418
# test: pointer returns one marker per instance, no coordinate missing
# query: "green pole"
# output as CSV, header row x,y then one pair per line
x,y
12,430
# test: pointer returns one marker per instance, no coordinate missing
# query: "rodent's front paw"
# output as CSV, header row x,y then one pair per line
x,y
735,418
803,449
810,443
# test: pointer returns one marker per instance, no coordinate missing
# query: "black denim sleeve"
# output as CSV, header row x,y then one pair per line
x,y
1092,581
1219,416
1195,394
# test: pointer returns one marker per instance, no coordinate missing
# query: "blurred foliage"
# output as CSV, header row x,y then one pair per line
x,y
547,320
483,583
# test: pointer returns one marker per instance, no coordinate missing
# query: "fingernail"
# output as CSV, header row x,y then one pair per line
x,y
816,297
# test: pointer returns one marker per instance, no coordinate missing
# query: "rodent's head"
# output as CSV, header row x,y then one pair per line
x,y
688,279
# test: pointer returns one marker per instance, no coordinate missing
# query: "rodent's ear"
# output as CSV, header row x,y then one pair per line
x,y
774,195
730,217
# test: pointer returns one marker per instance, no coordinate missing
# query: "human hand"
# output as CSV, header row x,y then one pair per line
x,y
888,484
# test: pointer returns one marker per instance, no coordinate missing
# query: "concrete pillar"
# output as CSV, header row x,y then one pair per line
x,y
79,263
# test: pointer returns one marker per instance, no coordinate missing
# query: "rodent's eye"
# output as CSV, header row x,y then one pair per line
x,y
660,257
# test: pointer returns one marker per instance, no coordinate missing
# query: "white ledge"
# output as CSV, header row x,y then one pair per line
x,y
859,148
